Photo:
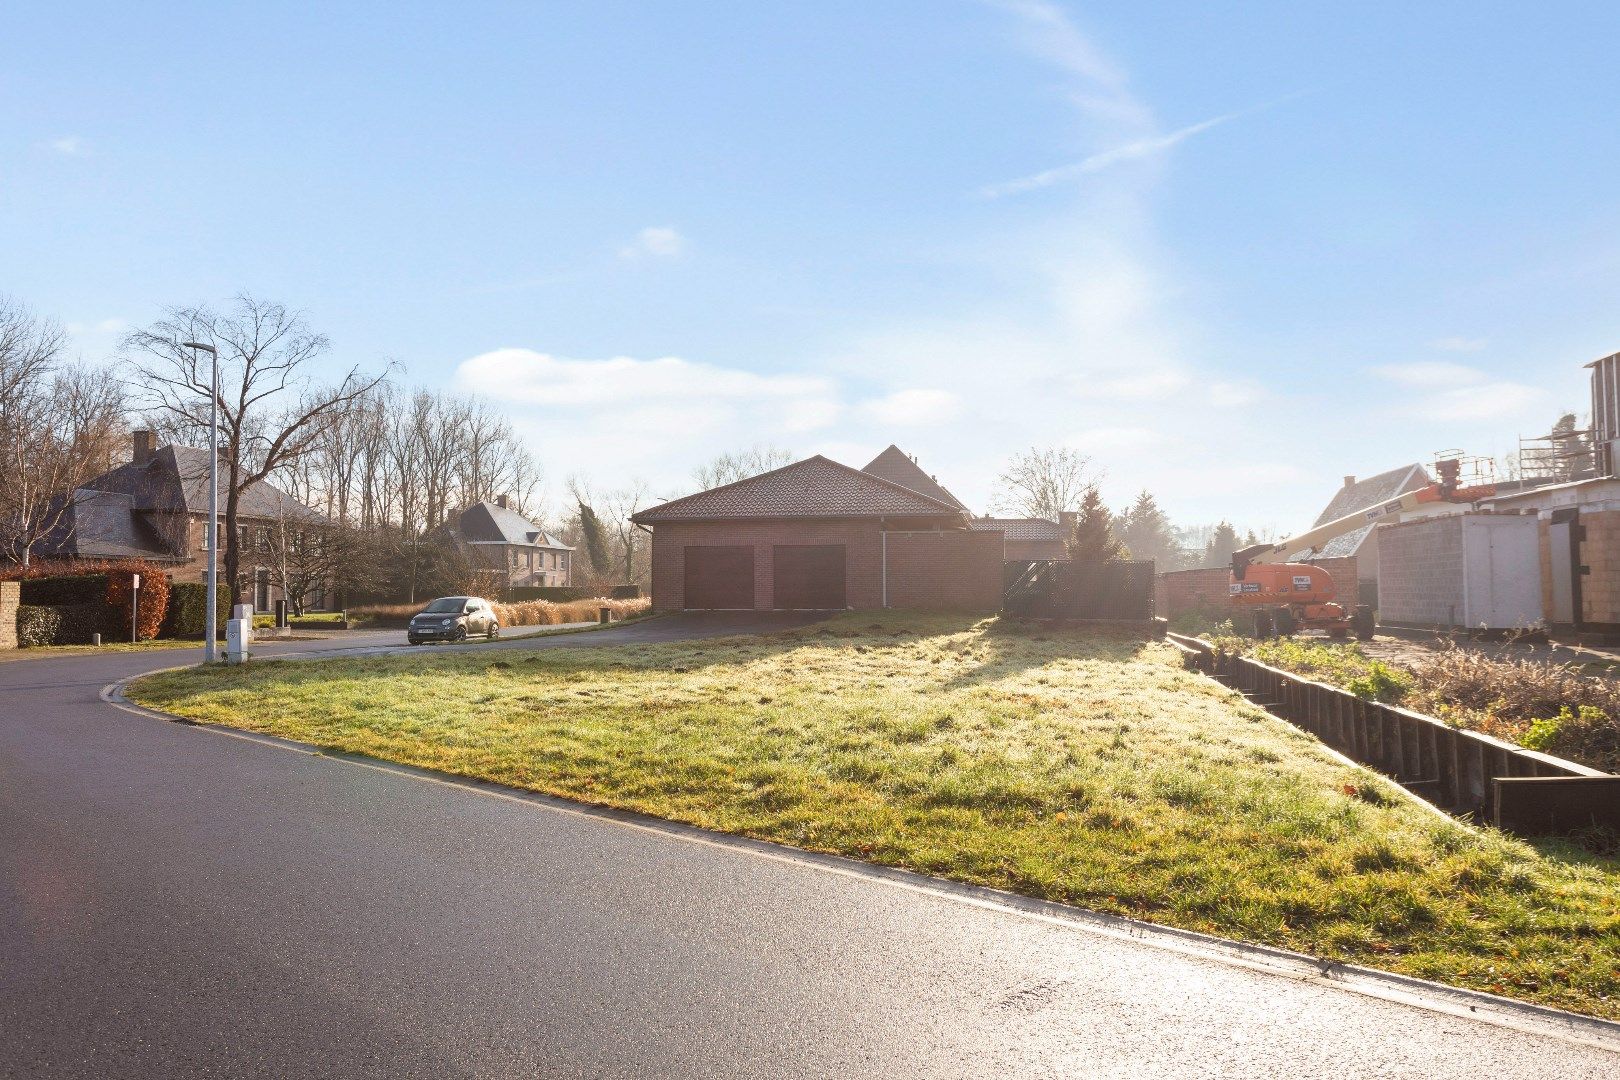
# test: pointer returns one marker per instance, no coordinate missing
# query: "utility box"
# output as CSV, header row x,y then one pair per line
x,y
238,640
1465,571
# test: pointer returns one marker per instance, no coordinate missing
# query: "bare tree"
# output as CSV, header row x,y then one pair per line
x,y
740,465
59,426
1044,483
270,411
614,544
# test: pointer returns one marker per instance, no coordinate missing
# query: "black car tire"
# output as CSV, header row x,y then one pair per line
x,y
461,633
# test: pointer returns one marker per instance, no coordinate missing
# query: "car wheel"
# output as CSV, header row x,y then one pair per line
x,y
461,633
494,630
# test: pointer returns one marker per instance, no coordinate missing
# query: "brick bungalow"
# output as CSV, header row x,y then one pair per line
x,y
819,535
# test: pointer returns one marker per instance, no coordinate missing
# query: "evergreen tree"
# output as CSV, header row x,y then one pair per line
x,y
595,537
1147,533
1093,541
1222,543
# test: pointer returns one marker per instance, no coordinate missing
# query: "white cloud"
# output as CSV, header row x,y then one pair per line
x,y
1133,386
1115,440
527,377
1231,395
1135,150
910,408
1458,344
69,146
1425,373
113,325
656,242
1446,391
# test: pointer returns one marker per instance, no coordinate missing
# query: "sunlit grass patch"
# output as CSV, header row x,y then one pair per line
x,y
1070,766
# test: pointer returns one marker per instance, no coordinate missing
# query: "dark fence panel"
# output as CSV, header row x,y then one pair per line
x,y
1461,771
1115,591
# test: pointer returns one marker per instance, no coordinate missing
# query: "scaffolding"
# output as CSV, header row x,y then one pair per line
x,y
1564,454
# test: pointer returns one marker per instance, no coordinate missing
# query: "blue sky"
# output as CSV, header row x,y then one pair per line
x,y
1232,254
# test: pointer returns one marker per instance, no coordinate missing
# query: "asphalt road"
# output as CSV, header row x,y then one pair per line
x,y
176,901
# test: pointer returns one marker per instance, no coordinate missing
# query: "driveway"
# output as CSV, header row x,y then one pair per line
x,y
177,901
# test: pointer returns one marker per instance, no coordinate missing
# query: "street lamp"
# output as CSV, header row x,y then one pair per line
x,y
211,624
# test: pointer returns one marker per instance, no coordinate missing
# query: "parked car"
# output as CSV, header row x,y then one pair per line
x,y
453,618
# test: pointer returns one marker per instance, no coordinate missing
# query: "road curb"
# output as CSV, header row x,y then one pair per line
x,y
1388,986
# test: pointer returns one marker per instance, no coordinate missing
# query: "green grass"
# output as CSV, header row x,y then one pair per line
x,y
1060,764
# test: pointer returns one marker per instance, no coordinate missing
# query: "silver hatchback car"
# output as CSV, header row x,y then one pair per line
x,y
453,618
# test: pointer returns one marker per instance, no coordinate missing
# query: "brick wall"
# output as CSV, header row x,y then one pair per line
x,y
1180,591
1036,551
963,577
1420,571
945,571
10,594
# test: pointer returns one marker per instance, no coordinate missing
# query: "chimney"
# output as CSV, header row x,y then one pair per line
x,y
1068,518
501,500
143,444
1349,481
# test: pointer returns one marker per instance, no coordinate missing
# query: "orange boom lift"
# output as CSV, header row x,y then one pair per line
x,y
1290,596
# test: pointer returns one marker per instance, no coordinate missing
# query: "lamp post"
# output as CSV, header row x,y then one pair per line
x,y
211,620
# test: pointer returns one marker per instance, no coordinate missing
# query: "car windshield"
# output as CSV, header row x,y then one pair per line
x,y
446,605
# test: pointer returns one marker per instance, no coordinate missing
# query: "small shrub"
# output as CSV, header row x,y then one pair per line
x,y
153,601
1380,682
37,625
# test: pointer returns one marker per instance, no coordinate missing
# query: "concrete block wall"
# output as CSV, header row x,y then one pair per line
x,y
1420,571
10,598
945,571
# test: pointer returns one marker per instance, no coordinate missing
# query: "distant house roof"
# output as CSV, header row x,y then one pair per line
x,y
816,487
175,480
1341,546
1365,494
1021,528
897,467
105,525
491,523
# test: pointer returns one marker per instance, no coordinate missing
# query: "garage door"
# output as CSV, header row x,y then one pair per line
x,y
720,577
808,575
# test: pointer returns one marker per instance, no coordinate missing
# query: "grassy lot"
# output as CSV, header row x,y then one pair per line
x,y
1059,764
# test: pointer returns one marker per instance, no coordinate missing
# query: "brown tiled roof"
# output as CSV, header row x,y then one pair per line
x,y
1021,528
897,467
816,487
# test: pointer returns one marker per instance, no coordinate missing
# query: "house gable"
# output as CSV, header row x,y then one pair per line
x,y
816,487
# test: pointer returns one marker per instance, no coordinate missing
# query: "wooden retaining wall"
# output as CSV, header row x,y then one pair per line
x,y
1454,769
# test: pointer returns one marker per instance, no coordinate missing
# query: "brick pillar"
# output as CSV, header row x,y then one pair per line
x,y
10,597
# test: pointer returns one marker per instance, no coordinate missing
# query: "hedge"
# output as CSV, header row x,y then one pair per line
x,y
557,594
188,610
68,589
101,583
60,624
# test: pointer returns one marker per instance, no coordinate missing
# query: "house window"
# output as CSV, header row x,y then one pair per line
x,y
262,536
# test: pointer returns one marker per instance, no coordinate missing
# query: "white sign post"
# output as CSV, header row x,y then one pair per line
x,y
134,608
